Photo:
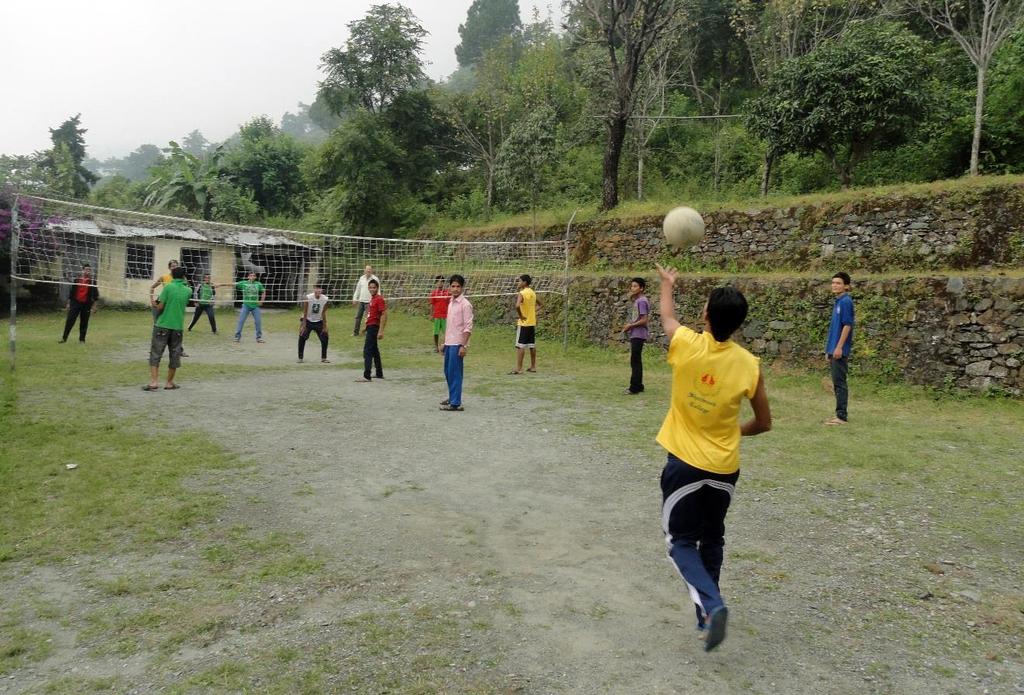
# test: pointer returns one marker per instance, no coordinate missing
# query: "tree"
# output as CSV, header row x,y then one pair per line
x,y
864,90
775,31
359,169
118,192
629,31
419,127
63,161
479,116
22,173
324,115
301,125
380,60
267,164
136,165
488,22
651,107
526,156
185,181
979,27
1005,124
195,143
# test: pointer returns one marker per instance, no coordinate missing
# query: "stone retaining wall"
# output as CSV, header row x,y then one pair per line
x,y
964,228
942,331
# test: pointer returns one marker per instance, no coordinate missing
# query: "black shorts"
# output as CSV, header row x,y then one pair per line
x,y
525,337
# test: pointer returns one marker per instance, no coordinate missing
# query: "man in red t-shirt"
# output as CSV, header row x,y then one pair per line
x,y
376,319
439,299
82,301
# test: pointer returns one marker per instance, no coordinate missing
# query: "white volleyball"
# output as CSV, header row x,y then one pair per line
x,y
683,227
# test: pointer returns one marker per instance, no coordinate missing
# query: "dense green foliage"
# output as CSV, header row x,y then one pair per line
x,y
63,163
737,97
863,91
488,22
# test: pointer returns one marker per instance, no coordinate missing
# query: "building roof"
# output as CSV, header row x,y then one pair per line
x,y
116,230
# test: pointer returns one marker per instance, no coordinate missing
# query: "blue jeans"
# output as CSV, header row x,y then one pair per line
x,y
453,373
242,315
839,369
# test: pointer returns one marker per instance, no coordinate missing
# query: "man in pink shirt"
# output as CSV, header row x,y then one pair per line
x,y
456,341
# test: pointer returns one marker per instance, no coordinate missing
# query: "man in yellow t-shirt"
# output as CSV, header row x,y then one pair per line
x,y
711,375
526,323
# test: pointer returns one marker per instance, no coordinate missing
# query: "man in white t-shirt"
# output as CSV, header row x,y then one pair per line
x,y
361,296
314,318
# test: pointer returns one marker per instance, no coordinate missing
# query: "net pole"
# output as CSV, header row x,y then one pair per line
x,y
565,275
13,328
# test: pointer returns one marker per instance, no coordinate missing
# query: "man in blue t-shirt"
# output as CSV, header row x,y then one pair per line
x,y
839,344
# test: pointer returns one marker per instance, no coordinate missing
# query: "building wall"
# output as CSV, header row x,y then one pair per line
x,y
118,289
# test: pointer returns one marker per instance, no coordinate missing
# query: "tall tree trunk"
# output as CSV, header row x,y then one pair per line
x,y
845,177
490,186
979,105
610,165
766,174
718,158
640,173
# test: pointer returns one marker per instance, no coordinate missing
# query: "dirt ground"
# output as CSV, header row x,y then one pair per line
x,y
549,538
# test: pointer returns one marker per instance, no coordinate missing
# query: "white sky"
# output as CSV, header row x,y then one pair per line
x,y
149,71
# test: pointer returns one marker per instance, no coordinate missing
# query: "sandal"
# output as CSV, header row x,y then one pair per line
x,y
172,387
147,387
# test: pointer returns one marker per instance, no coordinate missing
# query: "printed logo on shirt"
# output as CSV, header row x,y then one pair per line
x,y
703,396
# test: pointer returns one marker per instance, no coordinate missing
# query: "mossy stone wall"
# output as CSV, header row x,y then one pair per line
x,y
958,229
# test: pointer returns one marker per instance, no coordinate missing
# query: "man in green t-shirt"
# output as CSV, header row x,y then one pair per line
x,y
170,324
203,299
253,295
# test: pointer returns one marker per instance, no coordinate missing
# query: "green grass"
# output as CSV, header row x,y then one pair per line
x,y
629,209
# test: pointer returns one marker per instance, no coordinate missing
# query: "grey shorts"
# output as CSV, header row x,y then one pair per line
x,y
165,338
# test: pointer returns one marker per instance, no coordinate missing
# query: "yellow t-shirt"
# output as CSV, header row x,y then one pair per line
x,y
528,307
166,278
709,380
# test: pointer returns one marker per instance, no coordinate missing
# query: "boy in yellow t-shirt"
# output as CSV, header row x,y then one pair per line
x,y
711,375
526,323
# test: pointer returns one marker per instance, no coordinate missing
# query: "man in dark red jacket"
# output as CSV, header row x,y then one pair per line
x,y
81,303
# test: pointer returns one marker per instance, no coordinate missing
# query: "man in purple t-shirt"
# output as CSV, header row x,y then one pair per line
x,y
636,331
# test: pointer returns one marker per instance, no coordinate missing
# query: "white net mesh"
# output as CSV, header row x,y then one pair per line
x,y
128,251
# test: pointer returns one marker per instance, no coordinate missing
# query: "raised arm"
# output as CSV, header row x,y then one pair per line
x,y
667,301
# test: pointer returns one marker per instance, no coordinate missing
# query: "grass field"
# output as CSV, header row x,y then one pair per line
x,y
659,205
232,536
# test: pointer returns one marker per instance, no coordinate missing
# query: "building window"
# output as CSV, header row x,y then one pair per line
x,y
139,262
